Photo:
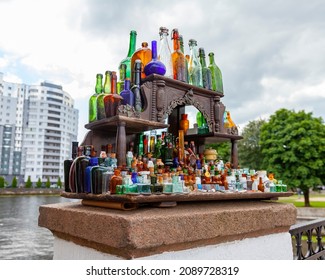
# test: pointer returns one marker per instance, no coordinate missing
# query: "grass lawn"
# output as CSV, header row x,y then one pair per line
x,y
316,200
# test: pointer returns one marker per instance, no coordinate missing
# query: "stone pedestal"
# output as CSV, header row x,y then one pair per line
x,y
192,230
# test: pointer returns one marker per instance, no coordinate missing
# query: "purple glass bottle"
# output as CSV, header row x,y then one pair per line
x,y
155,66
127,94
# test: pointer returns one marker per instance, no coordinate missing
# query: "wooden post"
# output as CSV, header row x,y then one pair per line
x,y
121,144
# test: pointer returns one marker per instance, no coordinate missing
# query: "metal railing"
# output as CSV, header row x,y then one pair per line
x,y
309,240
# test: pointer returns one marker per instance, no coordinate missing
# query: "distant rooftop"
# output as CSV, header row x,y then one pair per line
x,y
51,85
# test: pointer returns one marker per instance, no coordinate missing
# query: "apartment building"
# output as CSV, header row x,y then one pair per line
x,y
37,125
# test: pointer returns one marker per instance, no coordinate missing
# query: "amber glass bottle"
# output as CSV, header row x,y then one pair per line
x,y
112,100
127,60
178,58
206,72
145,55
184,123
100,98
115,180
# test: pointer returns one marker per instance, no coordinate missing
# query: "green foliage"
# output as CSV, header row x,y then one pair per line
x,y
39,183
48,183
249,148
14,182
59,182
293,147
2,182
29,183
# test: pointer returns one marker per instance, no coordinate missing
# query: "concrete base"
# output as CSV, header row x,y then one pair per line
x,y
275,247
201,230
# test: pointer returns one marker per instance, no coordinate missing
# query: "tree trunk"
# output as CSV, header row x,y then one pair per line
x,y
306,197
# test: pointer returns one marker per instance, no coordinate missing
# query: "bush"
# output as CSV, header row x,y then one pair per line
x,y
14,182
29,183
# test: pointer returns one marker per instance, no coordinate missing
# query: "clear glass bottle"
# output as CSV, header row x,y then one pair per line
x,y
178,58
100,98
120,83
206,72
164,53
93,98
127,60
194,65
155,66
127,94
144,54
216,75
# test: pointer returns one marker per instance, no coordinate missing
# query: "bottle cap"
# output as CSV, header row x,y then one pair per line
x,y
163,30
192,42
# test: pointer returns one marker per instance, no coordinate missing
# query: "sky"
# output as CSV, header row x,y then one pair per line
x,y
271,53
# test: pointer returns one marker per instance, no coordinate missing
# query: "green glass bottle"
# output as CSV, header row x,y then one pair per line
x,y
181,43
194,65
127,60
100,98
206,72
216,75
92,99
120,83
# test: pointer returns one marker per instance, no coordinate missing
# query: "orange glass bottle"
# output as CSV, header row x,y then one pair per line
x,y
145,55
115,180
178,58
184,123
112,100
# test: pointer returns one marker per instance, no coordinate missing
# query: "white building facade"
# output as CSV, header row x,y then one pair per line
x,y
37,125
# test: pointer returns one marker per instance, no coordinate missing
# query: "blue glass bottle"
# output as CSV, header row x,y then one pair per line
x,y
93,162
127,94
155,66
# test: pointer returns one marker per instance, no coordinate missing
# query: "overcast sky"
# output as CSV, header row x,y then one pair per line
x,y
271,53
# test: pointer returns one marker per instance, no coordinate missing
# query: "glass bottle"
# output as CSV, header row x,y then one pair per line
x,y
155,66
88,174
206,72
145,144
194,65
216,75
178,58
127,94
92,99
136,87
67,165
100,98
116,179
120,83
181,43
127,60
164,53
113,100
144,54
184,123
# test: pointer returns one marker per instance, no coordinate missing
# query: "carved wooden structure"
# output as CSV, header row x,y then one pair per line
x,y
164,100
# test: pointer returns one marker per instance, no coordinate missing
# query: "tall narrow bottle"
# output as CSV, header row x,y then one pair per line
x,y
127,60
217,83
120,83
93,98
206,72
178,58
144,54
155,66
181,43
164,53
136,87
194,65
101,114
67,165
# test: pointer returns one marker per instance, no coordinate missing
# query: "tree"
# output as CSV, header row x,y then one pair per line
x,y
59,183
2,182
293,147
39,183
29,183
249,148
48,183
14,182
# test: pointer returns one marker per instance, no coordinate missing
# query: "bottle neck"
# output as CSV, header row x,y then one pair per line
x,y
133,38
202,60
211,58
154,49
137,73
99,85
114,83
108,83
127,84
122,72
